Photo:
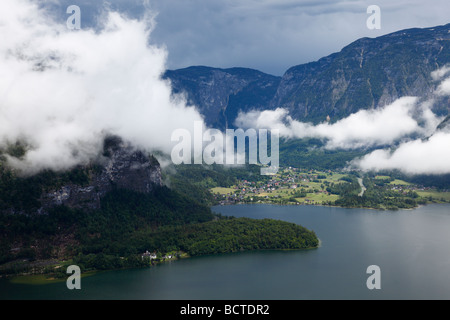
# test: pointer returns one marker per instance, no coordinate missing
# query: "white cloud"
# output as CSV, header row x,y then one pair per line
x,y
397,125
440,73
431,156
393,124
61,91
364,128
444,87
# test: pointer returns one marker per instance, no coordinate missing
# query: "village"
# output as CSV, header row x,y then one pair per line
x,y
289,185
298,186
157,257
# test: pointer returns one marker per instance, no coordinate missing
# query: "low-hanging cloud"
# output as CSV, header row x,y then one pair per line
x,y
429,156
62,91
408,126
365,128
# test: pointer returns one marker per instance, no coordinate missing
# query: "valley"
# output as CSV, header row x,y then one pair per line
x,y
122,209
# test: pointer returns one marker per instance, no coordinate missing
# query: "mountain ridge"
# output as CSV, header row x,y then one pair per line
x,y
221,93
367,73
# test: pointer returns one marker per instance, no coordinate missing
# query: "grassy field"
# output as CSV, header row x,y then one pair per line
x,y
400,182
37,279
318,198
382,177
436,195
286,194
280,192
40,279
335,177
221,190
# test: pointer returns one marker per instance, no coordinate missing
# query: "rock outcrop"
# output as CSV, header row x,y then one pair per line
x,y
219,94
121,166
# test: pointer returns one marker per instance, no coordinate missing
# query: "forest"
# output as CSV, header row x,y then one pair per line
x,y
130,223
176,218
376,196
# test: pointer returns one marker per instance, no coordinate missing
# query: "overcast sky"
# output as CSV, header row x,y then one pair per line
x,y
268,35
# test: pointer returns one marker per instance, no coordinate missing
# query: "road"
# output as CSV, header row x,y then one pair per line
x,y
360,181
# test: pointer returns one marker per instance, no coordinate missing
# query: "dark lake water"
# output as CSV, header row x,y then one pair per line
x,y
411,247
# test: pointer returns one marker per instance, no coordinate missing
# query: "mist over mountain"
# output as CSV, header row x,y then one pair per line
x,y
368,73
110,81
63,91
390,93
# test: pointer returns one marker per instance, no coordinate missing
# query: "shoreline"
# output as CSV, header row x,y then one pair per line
x,y
327,205
47,278
323,205
42,278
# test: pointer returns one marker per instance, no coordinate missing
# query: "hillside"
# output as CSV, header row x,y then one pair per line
x,y
107,214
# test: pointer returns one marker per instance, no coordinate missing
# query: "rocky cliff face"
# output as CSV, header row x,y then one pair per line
x,y
121,167
368,73
220,94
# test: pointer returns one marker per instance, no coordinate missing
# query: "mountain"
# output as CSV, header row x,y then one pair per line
x,y
220,94
120,167
114,212
368,73
123,167
91,209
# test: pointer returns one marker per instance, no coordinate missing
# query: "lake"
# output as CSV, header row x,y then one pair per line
x,y
411,247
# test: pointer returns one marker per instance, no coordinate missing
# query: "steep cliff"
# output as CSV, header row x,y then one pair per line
x,y
122,167
220,94
368,73
104,212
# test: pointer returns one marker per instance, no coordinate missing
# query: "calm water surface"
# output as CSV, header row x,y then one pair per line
x,y
412,248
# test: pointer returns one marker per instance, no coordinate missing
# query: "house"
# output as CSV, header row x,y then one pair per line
x,y
149,255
